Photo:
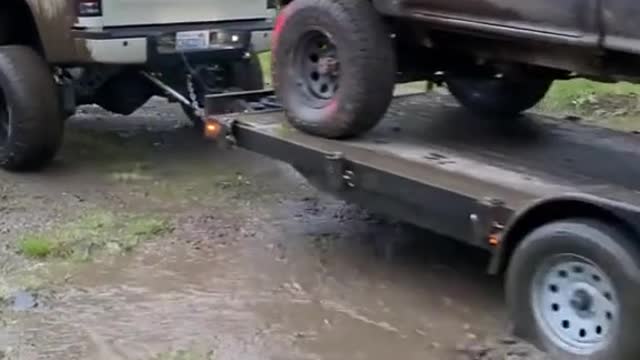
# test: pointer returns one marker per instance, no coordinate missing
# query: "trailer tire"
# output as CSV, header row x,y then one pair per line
x,y
31,120
244,75
502,98
333,66
572,289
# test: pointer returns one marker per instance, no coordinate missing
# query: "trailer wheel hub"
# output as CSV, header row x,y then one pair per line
x,y
574,303
318,68
581,301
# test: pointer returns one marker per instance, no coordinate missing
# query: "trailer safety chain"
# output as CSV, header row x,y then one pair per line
x,y
230,139
193,97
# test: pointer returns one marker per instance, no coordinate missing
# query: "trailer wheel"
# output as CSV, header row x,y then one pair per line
x,y
31,121
242,75
572,289
503,97
333,66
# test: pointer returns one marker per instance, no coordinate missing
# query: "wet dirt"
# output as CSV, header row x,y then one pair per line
x,y
258,264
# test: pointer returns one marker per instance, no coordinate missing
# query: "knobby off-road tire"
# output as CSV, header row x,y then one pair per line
x,y
6,23
502,98
333,66
244,75
31,120
572,289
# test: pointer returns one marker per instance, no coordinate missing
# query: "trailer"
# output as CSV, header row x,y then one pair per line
x,y
556,203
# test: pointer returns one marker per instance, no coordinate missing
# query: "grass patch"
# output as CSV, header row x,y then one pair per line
x,y
189,188
91,234
186,355
136,172
615,106
265,61
584,95
36,246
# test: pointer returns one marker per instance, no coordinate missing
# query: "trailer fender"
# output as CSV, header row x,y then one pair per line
x,y
623,216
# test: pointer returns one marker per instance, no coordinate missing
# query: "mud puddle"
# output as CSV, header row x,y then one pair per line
x,y
258,266
268,291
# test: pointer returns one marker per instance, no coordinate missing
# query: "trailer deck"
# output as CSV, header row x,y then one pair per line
x,y
555,202
431,163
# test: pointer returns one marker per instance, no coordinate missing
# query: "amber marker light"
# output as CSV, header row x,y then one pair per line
x,y
212,128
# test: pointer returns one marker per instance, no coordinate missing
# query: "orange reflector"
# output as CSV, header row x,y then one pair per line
x,y
212,128
494,240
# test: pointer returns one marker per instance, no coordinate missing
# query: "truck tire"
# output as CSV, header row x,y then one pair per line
x,y
503,98
243,75
31,120
333,67
572,289
6,23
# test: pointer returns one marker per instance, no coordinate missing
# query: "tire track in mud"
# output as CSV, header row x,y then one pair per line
x,y
257,265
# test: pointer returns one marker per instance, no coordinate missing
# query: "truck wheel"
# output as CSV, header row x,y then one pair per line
x,y
333,66
503,97
243,75
572,289
31,121
6,24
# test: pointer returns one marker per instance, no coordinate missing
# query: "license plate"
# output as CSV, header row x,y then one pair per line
x,y
192,40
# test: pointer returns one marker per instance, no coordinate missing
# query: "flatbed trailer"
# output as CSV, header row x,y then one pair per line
x,y
556,203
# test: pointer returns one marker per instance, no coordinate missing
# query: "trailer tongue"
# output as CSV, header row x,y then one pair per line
x,y
556,203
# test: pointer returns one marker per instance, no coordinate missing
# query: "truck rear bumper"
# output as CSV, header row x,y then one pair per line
x,y
166,44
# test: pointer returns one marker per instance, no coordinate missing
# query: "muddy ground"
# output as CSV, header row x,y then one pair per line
x,y
145,242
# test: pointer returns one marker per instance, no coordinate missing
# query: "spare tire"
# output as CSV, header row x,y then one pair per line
x,y
31,119
333,66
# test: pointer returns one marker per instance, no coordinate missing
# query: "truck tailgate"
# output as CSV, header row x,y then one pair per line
x,y
148,12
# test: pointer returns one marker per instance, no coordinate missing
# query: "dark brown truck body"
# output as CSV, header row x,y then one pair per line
x,y
541,32
611,24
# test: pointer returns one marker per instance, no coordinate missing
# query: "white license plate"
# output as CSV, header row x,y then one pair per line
x,y
192,40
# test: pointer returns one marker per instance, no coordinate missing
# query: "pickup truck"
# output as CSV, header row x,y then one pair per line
x,y
336,62
58,54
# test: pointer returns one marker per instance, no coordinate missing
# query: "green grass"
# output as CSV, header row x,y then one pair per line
x,y
265,61
36,246
91,234
185,355
615,106
583,95
134,172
